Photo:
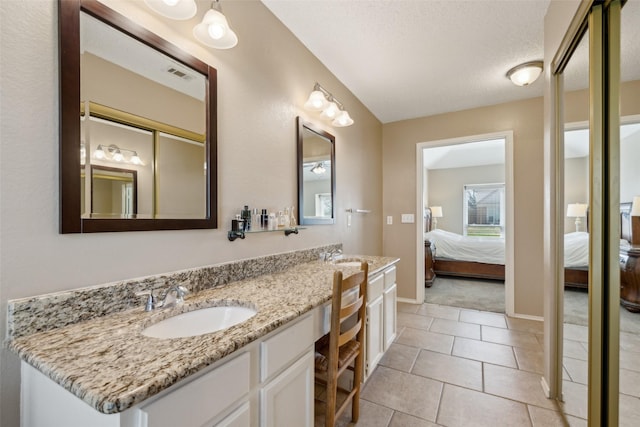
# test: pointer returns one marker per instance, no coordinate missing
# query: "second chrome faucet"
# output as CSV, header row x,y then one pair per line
x,y
172,297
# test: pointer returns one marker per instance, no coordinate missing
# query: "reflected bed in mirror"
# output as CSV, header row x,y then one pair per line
x,y
316,175
131,101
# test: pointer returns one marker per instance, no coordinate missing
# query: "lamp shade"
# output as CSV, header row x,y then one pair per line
x,y
436,211
214,31
577,210
316,101
174,9
635,207
525,74
331,111
343,119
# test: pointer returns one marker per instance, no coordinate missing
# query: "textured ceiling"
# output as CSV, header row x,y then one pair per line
x,y
413,58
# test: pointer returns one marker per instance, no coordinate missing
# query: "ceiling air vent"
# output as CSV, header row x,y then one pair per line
x,y
179,73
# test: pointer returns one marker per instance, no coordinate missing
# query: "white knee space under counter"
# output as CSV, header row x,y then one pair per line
x,y
104,372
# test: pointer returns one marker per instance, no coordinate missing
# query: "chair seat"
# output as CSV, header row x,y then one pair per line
x,y
346,353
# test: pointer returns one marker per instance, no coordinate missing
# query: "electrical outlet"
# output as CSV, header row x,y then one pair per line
x,y
407,219
389,220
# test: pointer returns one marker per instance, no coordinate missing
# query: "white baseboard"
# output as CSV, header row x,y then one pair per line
x,y
545,387
527,317
409,301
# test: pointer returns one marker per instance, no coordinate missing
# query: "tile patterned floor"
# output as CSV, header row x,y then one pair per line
x,y
457,367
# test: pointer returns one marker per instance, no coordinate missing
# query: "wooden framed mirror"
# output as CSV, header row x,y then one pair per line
x,y
316,175
114,113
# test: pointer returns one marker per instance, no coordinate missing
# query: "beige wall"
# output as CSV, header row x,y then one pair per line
x,y
446,190
399,187
262,85
576,188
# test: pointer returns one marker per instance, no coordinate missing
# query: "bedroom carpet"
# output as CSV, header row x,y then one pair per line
x,y
484,295
488,295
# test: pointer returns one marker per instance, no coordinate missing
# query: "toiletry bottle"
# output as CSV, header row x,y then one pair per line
x,y
273,221
292,218
255,220
245,214
286,218
264,220
280,219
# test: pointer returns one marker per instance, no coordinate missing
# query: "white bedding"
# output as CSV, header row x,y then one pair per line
x,y
490,250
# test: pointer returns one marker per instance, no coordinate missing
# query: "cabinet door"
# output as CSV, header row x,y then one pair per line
x,y
241,417
390,297
375,334
287,400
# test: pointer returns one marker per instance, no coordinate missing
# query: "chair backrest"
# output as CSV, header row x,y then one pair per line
x,y
352,292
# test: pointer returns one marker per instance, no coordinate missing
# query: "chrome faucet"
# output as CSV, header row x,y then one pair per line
x,y
331,255
168,300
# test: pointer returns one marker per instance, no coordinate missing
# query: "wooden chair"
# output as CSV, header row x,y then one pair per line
x,y
343,348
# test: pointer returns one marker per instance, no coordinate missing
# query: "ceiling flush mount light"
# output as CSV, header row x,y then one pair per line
x,y
525,74
174,9
332,109
214,30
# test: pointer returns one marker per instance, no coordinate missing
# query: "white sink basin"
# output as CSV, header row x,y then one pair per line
x,y
199,322
348,263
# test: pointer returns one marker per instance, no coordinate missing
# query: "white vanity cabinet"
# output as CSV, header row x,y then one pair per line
x,y
381,317
266,383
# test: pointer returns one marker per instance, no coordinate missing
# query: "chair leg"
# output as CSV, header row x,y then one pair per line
x,y
330,410
357,378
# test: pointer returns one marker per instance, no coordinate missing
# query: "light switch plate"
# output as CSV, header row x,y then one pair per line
x,y
408,219
389,220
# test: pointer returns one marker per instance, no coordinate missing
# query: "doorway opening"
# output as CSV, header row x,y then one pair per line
x,y
467,183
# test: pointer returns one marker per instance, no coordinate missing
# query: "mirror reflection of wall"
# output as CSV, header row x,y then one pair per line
x,y
114,192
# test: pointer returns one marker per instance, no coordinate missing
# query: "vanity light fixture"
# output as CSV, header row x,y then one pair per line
x,y
332,109
214,30
318,169
114,153
174,9
525,74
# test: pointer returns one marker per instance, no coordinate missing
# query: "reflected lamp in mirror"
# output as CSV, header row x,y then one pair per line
x,y
322,100
577,211
316,175
436,212
525,74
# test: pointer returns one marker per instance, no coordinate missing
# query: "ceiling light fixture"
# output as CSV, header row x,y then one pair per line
x,y
525,74
332,109
214,30
174,9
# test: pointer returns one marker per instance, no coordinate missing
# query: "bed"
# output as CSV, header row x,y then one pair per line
x,y
451,254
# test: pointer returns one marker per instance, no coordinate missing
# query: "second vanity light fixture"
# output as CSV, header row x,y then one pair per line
x,y
322,100
116,154
214,30
525,74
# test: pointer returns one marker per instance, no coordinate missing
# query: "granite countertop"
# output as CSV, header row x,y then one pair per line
x,y
109,364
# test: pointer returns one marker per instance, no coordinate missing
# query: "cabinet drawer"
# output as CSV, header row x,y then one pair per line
x,y
389,277
376,286
285,347
203,399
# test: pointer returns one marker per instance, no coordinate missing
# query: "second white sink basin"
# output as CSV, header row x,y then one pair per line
x,y
199,322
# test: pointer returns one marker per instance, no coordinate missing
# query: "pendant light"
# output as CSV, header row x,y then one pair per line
x,y
174,9
214,30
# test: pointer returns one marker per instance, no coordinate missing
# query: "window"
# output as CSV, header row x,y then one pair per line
x,y
484,210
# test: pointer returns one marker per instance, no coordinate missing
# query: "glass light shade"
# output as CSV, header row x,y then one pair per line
x,y
117,156
331,111
318,169
173,9
577,210
343,119
99,153
436,211
635,207
525,74
214,31
135,159
316,101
